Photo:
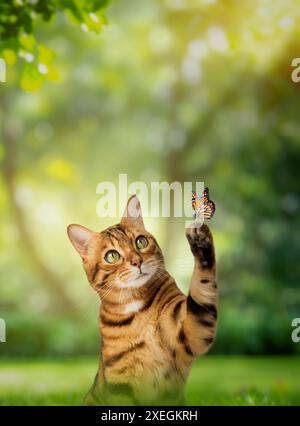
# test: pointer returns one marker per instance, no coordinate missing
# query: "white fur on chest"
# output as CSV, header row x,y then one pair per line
x,y
134,306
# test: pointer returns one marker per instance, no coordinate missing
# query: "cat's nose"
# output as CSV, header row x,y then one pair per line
x,y
136,261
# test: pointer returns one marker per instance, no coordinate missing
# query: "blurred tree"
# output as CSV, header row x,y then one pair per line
x,y
178,90
18,35
54,285
18,38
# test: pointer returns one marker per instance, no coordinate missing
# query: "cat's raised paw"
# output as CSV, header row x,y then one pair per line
x,y
201,243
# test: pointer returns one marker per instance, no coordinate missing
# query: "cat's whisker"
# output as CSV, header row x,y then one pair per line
x,y
180,268
107,292
187,263
106,295
107,289
154,261
123,274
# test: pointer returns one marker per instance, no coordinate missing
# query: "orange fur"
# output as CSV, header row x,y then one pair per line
x,y
151,332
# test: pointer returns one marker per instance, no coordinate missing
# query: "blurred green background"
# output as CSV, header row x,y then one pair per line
x,y
168,90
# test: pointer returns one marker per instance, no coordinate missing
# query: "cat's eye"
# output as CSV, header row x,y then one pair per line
x,y
112,256
141,242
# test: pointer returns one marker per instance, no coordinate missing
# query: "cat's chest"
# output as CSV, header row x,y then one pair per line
x,y
133,344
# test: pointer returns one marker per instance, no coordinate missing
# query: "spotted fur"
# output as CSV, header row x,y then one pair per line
x,y
150,331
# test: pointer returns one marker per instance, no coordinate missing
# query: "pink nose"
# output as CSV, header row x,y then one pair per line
x,y
136,261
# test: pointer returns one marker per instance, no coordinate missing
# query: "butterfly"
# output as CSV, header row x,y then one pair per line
x,y
203,206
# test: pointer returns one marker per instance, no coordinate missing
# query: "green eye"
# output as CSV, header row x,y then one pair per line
x,y
141,242
112,256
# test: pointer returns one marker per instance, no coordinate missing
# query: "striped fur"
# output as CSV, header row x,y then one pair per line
x,y
147,349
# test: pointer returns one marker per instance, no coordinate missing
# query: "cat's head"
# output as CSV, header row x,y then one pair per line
x,y
122,256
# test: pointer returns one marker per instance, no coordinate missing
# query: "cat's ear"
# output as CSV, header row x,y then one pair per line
x,y
80,238
133,213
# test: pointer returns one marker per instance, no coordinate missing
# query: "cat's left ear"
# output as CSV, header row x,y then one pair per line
x,y
133,213
80,237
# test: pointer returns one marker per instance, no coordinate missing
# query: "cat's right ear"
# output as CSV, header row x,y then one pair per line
x,y
80,238
133,213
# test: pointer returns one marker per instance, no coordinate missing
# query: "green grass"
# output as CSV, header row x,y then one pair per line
x,y
214,380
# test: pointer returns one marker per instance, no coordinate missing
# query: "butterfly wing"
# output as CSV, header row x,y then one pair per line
x,y
209,209
205,195
203,206
196,201
197,204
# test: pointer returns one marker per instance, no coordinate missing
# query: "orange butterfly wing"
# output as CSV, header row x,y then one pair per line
x,y
203,206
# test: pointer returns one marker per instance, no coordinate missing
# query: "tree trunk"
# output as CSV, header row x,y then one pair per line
x,y
52,283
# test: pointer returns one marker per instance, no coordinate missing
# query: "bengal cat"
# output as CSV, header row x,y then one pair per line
x,y
151,332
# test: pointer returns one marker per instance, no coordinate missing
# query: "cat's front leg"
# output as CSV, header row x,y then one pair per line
x,y
201,303
96,395
202,247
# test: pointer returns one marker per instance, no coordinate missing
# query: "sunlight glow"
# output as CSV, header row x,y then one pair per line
x,y
24,196
197,49
286,23
160,39
217,39
191,71
47,213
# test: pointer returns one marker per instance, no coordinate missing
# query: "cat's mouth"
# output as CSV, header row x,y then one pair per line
x,y
136,278
141,274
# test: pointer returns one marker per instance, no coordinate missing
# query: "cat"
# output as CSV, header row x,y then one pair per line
x,y
150,331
